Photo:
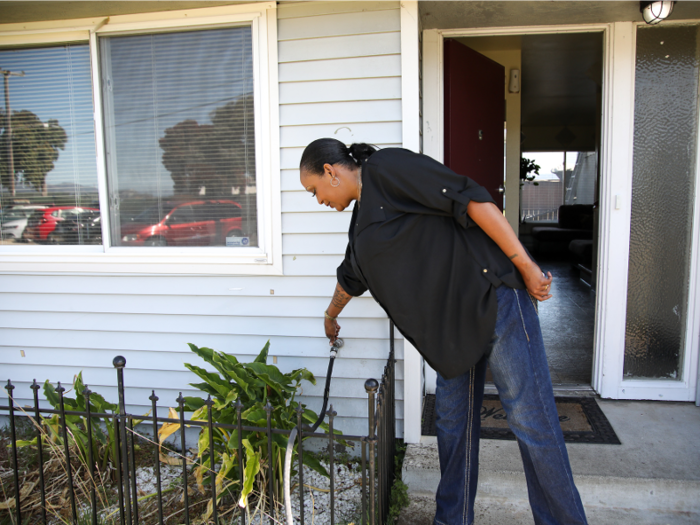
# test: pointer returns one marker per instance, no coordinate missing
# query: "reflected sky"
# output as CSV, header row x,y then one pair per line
x,y
57,85
153,82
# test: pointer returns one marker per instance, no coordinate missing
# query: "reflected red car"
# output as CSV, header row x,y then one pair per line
x,y
195,223
42,223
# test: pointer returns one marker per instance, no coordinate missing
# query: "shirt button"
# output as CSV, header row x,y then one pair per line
x,y
485,270
444,190
381,207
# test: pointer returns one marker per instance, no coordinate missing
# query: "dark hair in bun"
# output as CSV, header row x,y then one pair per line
x,y
332,151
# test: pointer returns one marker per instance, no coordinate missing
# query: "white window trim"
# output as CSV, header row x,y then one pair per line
x,y
263,260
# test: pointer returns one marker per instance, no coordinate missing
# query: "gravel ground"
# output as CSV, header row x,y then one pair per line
x,y
348,502
317,504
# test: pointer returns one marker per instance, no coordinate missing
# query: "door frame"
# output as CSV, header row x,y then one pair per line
x,y
617,140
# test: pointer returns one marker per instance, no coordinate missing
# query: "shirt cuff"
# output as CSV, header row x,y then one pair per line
x,y
351,284
461,199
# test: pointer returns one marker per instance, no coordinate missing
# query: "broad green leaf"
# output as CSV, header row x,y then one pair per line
x,y
230,398
252,468
239,377
313,463
255,415
309,415
193,403
231,359
51,395
232,443
220,385
203,441
211,357
139,421
226,416
100,404
78,386
23,443
271,371
201,414
303,373
227,463
262,357
205,353
207,388
280,440
221,363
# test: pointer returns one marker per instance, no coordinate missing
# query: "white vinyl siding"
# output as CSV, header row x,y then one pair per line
x,y
339,76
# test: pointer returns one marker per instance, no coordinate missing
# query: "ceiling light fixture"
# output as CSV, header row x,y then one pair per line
x,y
655,12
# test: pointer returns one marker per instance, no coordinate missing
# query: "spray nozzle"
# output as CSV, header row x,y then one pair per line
x,y
337,345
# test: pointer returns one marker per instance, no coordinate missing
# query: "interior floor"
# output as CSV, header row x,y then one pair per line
x,y
568,321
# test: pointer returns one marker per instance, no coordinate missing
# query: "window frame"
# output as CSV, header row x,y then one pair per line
x,y
266,259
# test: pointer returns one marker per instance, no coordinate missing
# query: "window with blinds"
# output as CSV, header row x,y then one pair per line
x,y
48,175
180,138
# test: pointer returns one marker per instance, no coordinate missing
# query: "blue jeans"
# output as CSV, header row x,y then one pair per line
x,y
521,375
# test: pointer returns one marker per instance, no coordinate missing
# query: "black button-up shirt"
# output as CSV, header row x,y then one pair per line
x,y
431,268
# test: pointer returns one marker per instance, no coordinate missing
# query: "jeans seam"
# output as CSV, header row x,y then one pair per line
x,y
520,311
467,464
542,403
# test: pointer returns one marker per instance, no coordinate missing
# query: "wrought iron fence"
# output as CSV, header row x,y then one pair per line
x,y
377,454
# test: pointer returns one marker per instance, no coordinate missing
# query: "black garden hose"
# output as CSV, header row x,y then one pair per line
x,y
337,345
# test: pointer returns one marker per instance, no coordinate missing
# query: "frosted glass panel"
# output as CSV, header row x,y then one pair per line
x,y
665,128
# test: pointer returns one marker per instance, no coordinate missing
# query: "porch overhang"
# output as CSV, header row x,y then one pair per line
x,y
464,15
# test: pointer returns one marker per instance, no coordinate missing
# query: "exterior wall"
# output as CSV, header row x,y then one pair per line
x,y
339,76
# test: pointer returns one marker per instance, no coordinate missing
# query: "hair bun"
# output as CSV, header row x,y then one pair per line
x,y
361,152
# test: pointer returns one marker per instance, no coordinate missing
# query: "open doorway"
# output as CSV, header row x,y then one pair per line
x,y
552,160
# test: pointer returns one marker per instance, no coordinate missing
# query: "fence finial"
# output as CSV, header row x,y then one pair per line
x,y
119,361
371,385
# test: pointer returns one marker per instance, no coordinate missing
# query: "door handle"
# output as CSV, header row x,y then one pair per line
x,y
501,189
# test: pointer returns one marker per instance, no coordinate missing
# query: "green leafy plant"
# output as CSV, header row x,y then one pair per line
x,y
103,433
255,385
398,498
527,167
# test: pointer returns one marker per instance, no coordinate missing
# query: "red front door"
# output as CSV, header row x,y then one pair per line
x,y
474,117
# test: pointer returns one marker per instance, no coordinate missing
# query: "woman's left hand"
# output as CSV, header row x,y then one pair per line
x,y
538,285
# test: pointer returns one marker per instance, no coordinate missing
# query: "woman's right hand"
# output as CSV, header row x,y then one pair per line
x,y
332,329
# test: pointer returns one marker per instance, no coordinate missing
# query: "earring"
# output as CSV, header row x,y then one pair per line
x,y
336,180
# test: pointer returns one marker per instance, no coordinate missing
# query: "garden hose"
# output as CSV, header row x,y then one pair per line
x,y
337,345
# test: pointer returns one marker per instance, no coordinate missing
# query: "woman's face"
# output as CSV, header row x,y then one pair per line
x,y
338,197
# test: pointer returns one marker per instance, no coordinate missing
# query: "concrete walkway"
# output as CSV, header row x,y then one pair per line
x,y
653,478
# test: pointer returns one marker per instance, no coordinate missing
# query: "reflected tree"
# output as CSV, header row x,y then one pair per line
x,y
35,147
218,156
188,153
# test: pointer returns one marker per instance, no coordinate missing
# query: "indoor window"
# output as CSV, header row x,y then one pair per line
x,y
564,178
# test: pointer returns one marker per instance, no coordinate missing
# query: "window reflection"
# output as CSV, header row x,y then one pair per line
x,y
51,165
179,114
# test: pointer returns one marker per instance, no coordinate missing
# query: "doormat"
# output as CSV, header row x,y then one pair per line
x,y
581,419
